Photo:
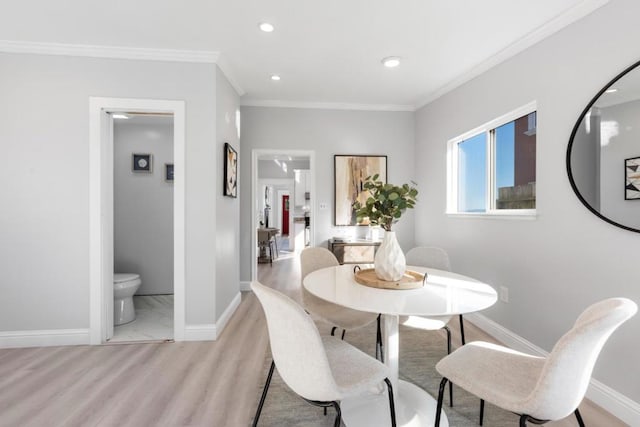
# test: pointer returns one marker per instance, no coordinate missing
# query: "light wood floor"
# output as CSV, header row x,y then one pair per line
x,y
162,384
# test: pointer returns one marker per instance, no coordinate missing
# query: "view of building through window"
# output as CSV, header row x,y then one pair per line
x,y
508,181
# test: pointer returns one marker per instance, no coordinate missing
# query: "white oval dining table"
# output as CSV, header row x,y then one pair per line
x,y
444,294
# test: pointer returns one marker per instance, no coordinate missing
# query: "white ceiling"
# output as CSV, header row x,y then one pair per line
x,y
326,51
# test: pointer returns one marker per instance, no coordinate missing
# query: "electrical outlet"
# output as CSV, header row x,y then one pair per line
x,y
323,206
504,294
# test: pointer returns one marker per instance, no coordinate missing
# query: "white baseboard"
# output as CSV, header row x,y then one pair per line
x,y
245,286
211,331
226,315
602,395
204,332
44,338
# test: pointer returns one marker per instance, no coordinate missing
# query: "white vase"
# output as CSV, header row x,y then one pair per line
x,y
390,263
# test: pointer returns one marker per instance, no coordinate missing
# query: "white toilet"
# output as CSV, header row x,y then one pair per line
x,y
124,286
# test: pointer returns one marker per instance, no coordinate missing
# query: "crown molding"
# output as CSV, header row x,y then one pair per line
x,y
228,72
121,52
113,52
561,21
325,105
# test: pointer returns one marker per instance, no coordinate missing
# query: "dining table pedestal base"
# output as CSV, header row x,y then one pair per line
x,y
414,408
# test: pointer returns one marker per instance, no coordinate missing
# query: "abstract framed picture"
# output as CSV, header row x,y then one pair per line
x,y
350,172
168,172
230,171
142,162
632,178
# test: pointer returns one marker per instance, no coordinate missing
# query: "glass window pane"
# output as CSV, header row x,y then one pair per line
x,y
472,172
515,175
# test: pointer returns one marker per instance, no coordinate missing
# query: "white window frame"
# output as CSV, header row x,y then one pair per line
x,y
452,168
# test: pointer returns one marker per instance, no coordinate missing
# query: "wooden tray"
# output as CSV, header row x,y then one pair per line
x,y
410,280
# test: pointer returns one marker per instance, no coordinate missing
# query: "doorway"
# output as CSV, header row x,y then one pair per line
x,y
143,226
283,187
285,215
101,224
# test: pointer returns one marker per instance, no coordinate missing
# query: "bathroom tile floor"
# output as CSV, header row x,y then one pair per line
x,y
154,320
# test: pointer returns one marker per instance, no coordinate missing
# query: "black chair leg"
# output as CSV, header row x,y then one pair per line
x,y
523,420
443,384
264,394
446,328
336,405
481,411
343,332
392,405
462,330
579,418
379,341
333,330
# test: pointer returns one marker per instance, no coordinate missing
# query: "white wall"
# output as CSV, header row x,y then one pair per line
x,y
327,132
44,131
625,144
143,204
567,258
270,169
227,237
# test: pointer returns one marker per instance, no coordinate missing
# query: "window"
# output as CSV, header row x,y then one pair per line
x,y
492,169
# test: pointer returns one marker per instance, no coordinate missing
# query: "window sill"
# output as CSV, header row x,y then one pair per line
x,y
525,215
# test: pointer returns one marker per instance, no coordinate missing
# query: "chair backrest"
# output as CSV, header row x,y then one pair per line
x,y
312,259
567,371
296,346
430,257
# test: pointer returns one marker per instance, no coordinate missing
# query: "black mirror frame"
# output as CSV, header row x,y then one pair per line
x,y
570,146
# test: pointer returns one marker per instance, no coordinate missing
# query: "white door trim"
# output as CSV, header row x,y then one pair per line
x,y
99,244
255,154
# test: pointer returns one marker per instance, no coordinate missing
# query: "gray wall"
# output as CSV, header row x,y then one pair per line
x,y
327,132
270,169
44,135
143,204
566,258
227,237
623,144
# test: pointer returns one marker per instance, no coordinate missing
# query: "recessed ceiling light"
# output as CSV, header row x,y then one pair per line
x,y
391,61
275,77
266,27
120,116
612,90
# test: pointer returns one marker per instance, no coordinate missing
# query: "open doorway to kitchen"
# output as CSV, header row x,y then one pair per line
x,y
283,190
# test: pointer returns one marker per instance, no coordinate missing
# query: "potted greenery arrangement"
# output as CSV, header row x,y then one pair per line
x,y
384,207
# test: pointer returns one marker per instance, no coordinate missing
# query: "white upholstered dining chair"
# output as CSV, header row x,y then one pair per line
x,y
432,257
312,259
539,389
321,370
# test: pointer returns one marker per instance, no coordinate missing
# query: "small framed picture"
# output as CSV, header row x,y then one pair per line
x,y
142,163
168,172
632,178
230,171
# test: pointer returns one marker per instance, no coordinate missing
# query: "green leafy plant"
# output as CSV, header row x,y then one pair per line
x,y
386,203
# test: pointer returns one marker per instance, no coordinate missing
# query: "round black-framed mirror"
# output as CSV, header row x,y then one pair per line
x,y
603,155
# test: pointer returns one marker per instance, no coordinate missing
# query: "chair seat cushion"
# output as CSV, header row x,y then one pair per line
x,y
336,315
425,323
355,372
499,375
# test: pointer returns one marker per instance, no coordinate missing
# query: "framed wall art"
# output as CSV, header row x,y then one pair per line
x,y
142,162
230,171
632,178
350,172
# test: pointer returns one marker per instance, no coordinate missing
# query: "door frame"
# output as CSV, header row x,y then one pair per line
x,y
255,154
101,209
